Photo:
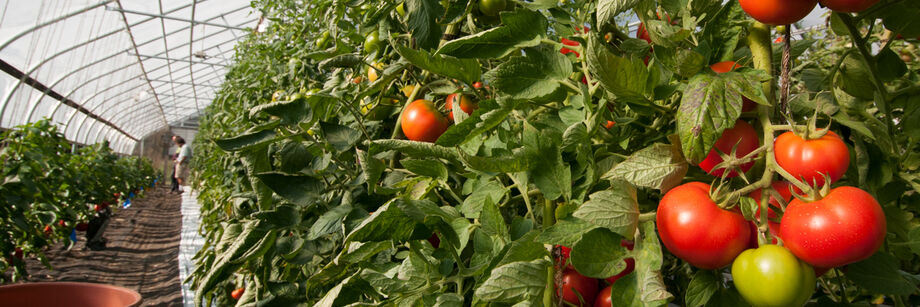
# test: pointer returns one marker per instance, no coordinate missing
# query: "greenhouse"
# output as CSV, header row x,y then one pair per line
x,y
460,153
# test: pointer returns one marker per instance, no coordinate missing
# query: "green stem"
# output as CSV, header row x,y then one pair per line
x,y
762,51
870,62
549,213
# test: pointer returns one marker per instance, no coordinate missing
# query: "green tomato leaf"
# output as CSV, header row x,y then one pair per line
x,y
387,223
607,10
246,141
615,209
423,22
482,120
648,266
414,149
430,168
598,254
553,176
466,70
659,166
340,137
880,274
300,190
535,75
710,105
329,222
565,232
702,286
624,77
473,204
291,112
515,282
522,28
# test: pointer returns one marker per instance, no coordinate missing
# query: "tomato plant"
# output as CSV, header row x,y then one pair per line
x,y
772,276
286,186
51,186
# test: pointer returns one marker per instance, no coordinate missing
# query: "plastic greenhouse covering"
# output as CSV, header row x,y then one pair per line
x,y
115,70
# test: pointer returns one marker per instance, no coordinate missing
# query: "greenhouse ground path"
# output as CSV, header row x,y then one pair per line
x,y
142,252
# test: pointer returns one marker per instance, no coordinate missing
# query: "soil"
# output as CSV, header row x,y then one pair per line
x,y
141,253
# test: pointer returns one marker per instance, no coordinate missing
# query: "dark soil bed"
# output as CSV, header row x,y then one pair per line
x,y
141,253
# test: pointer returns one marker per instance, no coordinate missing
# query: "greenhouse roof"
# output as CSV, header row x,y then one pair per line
x,y
115,70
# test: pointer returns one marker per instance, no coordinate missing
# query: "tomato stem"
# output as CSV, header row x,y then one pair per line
x,y
549,213
868,59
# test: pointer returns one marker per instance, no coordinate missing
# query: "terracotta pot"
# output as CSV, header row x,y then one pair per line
x,y
75,294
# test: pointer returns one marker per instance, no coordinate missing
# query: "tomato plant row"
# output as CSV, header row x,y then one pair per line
x,y
49,190
498,153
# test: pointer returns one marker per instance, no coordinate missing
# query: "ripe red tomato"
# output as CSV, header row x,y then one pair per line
x,y
466,104
844,227
610,124
642,33
422,122
727,66
62,223
434,240
695,229
783,188
603,298
236,294
569,42
848,6
48,229
809,160
477,85
778,12
572,282
747,141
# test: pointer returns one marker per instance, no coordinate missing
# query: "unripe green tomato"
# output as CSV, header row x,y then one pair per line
x,y
772,276
401,9
295,96
492,7
322,41
780,29
372,41
278,95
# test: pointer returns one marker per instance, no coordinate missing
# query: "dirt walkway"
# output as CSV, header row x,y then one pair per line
x,y
141,254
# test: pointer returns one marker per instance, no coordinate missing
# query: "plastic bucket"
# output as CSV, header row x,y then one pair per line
x,y
74,294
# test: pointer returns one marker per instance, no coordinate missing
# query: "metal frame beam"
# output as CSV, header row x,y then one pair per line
x,y
163,16
175,60
16,73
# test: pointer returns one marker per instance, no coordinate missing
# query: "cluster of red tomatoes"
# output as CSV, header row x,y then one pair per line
x,y
579,290
422,121
844,226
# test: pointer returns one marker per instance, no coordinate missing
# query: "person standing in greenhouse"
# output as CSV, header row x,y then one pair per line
x,y
182,161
